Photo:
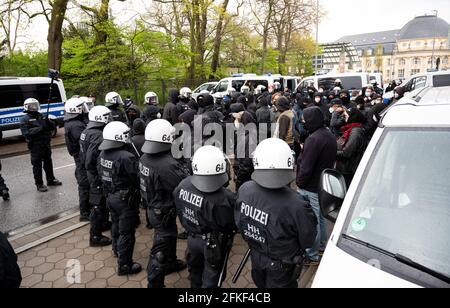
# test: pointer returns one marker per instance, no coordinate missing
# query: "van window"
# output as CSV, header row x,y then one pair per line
x,y
402,206
222,87
349,83
291,84
252,84
441,81
15,95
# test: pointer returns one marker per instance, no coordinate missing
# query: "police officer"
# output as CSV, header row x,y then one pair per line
x,y
4,191
275,221
119,169
151,110
90,140
114,102
74,118
37,131
10,276
205,208
160,174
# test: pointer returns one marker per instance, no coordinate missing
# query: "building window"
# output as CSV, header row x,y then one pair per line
x,y
445,61
389,61
415,71
418,43
416,61
360,52
426,44
369,52
401,73
402,61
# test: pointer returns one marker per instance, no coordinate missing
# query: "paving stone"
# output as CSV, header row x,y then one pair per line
x,y
53,275
31,280
54,258
94,266
44,268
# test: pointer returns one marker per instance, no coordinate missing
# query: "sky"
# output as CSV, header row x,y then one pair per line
x,y
348,17
343,17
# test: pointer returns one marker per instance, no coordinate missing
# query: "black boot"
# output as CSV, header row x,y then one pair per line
x,y
5,194
54,182
176,266
98,241
134,269
42,188
84,217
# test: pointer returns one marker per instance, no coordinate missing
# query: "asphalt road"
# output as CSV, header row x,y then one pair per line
x,y
28,206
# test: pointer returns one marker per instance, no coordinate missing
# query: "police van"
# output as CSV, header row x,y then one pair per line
x,y
392,225
350,81
14,91
239,80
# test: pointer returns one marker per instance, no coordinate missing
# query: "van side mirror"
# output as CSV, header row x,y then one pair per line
x,y
331,193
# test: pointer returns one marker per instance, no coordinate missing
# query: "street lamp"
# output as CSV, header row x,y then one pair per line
x,y
434,39
317,38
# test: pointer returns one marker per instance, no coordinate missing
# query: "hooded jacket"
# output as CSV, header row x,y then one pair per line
x,y
169,113
138,138
350,154
319,151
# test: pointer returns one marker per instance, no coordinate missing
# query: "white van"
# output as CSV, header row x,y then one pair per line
x,y
237,81
378,77
14,91
393,227
350,81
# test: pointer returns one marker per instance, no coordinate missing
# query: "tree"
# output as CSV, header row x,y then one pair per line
x,y
55,37
379,57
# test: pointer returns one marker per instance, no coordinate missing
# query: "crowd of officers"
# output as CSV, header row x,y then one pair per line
x,y
124,162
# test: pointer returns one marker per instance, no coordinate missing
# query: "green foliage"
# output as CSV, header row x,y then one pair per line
x,y
24,64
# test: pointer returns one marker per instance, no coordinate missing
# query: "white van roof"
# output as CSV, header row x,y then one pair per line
x,y
428,108
23,80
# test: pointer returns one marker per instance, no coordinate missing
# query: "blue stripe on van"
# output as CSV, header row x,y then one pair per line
x,y
16,119
20,109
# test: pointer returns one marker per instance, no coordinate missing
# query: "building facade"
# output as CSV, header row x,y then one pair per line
x,y
400,53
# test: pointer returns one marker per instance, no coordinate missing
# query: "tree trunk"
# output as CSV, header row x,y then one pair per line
x,y
102,19
218,39
55,37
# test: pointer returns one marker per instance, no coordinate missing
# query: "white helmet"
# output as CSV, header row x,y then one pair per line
x,y
210,167
274,164
338,81
73,108
88,103
260,89
115,135
31,105
185,93
99,116
245,89
112,99
277,85
151,98
159,136
231,91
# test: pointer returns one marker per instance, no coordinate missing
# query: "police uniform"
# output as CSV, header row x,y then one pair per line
x,y
208,219
73,128
90,140
10,276
278,226
37,132
160,174
119,170
118,114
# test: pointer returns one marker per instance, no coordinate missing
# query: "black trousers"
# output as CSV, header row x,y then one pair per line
x,y
123,229
164,251
83,187
41,156
203,273
267,274
2,184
